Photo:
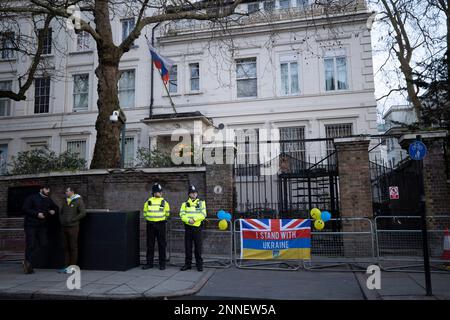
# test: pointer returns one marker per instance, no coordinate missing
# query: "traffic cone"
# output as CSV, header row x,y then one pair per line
x,y
446,251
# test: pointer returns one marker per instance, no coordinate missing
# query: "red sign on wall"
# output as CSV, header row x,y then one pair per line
x,y
393,193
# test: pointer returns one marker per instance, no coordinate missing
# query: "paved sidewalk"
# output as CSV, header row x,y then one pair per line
x,y
220,284
132,284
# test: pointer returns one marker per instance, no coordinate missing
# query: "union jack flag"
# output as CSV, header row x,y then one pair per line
x,y
276,224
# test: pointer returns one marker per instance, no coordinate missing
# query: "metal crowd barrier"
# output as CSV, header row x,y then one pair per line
x,y
275,264
399,242
349,250
217,245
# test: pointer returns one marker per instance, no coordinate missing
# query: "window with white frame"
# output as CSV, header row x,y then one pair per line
x,y
77,147
292,142
37,145
7,45
302,3
127,88
246,78
83,41
285,4
5,103
173,79
253,7
129,151
47,47
42,95
80,92
269,5
335,131
127,27
3,158
289,77
194,76
335,73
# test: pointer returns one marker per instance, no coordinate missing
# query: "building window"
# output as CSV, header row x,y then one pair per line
x,y
336,131
129,151
289,78
252,7
7,45
41,95
336,73
3,158
292,142
37,145
77,147
246,78
80,92
5,103
302,3
47,47
194,74
127,27
285,4
269,5
173,79
127,88
247,155
83,41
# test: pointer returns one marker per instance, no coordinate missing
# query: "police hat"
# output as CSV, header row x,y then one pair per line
x,y
192,189
156,188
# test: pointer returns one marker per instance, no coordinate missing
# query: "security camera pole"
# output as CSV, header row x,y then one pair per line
x,y
120,116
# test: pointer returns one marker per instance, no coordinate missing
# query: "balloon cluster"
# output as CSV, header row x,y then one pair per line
x,y
224,218
320,218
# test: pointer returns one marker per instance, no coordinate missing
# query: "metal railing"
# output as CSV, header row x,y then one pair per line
x,y
217,245
350,249
399,242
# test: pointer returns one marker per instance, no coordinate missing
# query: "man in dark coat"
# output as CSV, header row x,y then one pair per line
x,y
37,210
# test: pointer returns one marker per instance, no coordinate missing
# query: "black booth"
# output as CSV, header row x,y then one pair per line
x,y
108,240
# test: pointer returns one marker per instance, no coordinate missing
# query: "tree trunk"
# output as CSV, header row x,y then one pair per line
x,y
107,151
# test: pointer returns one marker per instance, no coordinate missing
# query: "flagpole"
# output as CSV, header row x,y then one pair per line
x,y
168,93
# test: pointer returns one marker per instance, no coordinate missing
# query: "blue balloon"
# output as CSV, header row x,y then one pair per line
x,y
325,216
221,215
227,216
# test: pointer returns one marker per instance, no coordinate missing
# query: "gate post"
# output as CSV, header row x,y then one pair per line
x,y
355,192
354,177
219,180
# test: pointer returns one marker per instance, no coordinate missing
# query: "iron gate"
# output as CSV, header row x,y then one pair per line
x,y
289,184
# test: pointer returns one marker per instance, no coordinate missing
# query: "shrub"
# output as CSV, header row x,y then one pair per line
x,y
147,158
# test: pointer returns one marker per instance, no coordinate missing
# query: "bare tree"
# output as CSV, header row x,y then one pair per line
x,y
147,12
416,33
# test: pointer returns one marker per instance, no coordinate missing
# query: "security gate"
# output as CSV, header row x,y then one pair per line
x,y
290,184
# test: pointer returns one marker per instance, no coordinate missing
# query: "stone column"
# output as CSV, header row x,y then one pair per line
x,y
355,194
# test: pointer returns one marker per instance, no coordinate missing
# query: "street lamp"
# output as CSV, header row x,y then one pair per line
x,y
119,115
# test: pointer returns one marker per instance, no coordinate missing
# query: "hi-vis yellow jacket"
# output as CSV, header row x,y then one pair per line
x,y
156,209
193,209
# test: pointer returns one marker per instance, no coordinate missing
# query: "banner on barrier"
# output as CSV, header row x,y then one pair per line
x,y
284,239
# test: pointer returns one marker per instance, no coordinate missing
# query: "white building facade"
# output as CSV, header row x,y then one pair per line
x,y
289,66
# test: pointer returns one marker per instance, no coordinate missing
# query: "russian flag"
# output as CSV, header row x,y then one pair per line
x,y
160,62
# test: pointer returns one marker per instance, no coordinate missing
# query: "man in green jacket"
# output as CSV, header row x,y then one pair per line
x,y
73,210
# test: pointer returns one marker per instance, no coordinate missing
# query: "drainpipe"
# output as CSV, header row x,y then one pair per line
x,y
152,68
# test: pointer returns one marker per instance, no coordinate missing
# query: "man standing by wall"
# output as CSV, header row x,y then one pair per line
x,y
192,213
37,209
73,210
156,212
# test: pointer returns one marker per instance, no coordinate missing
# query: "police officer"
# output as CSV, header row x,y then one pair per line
x,y
156,212
192,213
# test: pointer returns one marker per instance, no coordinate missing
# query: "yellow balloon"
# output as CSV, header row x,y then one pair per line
x,y
315,213
223,224
319,224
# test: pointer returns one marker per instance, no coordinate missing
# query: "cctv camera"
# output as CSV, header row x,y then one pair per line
x,y
114,117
